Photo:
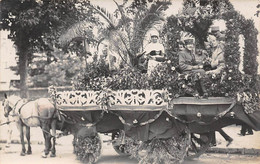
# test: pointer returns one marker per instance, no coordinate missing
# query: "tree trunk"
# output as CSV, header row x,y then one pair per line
x,y
23,69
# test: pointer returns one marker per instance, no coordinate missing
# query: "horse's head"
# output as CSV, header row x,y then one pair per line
x,y
10,103
6,105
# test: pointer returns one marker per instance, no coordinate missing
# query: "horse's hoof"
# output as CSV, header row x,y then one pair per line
x,y
22,154
44,155
53,155
29,152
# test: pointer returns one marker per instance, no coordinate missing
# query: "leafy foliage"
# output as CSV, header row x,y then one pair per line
x,y
88,148
35,26
92,77
171,150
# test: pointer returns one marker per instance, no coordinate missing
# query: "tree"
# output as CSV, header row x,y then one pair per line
x,y
34,26
125,29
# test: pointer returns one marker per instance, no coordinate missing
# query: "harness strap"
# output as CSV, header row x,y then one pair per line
x,y
19,110
39,117
16,104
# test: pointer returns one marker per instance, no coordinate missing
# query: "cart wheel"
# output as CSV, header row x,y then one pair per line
x,y
170,150
199,144
119,145
88,148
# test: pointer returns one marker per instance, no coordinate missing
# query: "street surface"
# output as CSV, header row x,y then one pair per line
x,y
109,156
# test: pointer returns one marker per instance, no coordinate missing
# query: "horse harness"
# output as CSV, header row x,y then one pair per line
x,y
42,119
15,105
36,105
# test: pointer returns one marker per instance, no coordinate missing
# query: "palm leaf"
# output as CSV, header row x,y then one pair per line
x,y
148,19
105,14
80,30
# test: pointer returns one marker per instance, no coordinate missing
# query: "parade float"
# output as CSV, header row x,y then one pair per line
x,y
151,117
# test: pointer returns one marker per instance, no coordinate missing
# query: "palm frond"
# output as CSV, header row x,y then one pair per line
x,y
124,18
81,29
105,14
148,19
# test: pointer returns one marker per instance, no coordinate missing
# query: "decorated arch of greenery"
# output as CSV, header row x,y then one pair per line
x,y
197,21
242,85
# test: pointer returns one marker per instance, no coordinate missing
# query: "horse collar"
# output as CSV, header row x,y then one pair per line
x,y
19,111
16,104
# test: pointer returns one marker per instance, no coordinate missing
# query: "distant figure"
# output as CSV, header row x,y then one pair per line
x,y
224,135
154,52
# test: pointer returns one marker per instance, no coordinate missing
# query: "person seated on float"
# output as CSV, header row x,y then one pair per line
x,y
187,58
188,63
154,52
217,58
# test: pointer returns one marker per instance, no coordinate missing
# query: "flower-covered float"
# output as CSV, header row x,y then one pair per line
x,y
161,118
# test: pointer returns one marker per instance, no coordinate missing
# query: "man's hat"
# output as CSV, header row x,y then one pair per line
x,y
189,41
154,33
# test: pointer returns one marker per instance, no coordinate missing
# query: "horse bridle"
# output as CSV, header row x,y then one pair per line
x,y
14,107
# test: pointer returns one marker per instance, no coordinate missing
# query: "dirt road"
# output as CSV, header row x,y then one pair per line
x,y
109,156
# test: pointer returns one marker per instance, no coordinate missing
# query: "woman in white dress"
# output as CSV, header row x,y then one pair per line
x,y
154,51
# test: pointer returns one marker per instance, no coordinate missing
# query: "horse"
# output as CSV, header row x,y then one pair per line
x,y
40,112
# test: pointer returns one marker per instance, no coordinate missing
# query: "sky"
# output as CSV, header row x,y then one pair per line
x,y
7,51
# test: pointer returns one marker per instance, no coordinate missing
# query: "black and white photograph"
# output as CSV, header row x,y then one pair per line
x,y
130,81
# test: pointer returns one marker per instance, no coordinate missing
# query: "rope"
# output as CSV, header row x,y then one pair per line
x,y
8,122
88,124
135,121
220,115
58,135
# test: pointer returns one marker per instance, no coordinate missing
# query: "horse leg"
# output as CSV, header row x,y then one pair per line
x,y
47,137
53,127
29,151
20,127
9,135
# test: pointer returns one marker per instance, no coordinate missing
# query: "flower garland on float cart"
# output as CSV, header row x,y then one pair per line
x,y
231,82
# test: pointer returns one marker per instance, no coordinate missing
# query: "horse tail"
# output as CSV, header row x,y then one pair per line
x,y
56,113
51,116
